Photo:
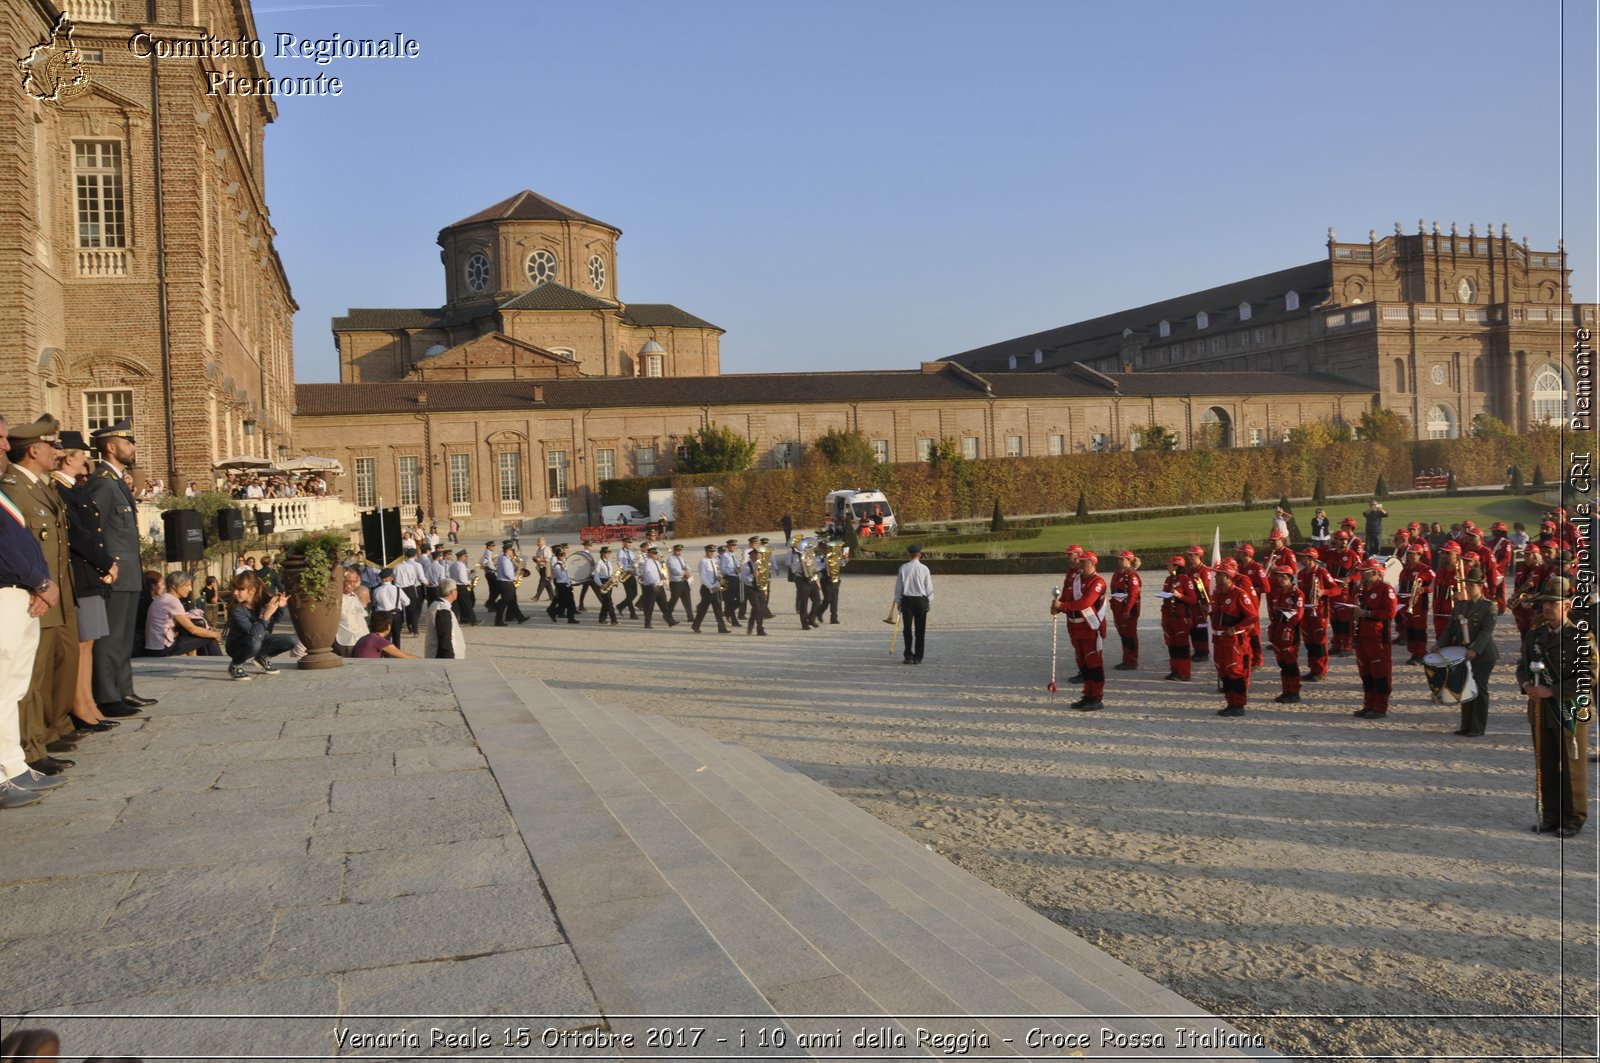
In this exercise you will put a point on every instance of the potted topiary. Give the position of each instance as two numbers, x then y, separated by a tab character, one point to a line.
314	578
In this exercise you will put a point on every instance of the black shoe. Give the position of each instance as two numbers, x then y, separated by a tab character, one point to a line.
1315	678
52	765
499	623
1089	704
1076	678
266	666
1125	667
118	710
103	725
674	623
695	628
724	630
1231	710
1287	699
1567	832
1545	828
1413	659
1199	657
905	660
572	620
835	620
139	703
60	745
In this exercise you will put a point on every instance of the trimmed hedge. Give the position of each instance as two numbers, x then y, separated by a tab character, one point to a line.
965	490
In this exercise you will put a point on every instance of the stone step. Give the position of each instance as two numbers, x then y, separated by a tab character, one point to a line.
1053	970
644	952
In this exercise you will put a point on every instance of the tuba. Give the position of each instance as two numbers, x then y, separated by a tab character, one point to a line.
835	560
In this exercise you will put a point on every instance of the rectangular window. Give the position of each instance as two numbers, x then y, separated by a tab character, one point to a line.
101	408
1097	442
682	454
880	451
460	479
783	454
924	450
652	365
1013	446
1258	437
97	167
509	463
1057	446
366	482
969	447
1134	439
605	463
410	473
556	480
644	461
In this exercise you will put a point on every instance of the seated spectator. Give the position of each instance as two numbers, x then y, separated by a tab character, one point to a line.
249	637
152	588
376	643
172	629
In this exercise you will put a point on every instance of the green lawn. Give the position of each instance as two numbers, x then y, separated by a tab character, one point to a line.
1255	525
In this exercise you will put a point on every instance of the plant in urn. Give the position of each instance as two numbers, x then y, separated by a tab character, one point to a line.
314	578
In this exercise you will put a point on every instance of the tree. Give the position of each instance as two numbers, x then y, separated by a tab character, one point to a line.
1381	425
1249	495
1083	505
1516	479
1381	488
945	452
1157	437
1319	493
1487	427
997	522
713	448
1538	475
845	447
1283	504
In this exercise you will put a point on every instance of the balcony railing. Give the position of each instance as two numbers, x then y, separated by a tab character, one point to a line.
102	262
461	509
510	507
90	10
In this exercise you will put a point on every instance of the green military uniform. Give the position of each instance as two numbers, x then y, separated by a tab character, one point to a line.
44	713
1560	723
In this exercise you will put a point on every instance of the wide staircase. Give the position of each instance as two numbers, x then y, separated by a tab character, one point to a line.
698	879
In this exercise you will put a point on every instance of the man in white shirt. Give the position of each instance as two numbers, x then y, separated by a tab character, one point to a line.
603	569
650	578
506	577
561	602
489	562
408	577
442	637
728	569
710	574
677	581
913	593
466	598
390	599
628	559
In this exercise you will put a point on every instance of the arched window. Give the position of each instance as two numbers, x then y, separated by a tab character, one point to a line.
1165	328
1291	301
1244	311
1216	429
1441	423
1399	374
1011	363
1202	320
1549	395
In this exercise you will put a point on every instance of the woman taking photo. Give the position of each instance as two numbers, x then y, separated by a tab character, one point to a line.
249	627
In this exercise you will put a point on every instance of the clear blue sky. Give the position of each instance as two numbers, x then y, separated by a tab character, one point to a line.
874	183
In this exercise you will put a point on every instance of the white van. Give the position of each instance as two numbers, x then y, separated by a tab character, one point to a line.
620	515
838	505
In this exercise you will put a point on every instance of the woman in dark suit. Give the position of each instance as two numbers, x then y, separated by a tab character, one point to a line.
93	572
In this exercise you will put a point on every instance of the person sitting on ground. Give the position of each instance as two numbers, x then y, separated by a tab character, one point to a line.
172	630
376	642
248	636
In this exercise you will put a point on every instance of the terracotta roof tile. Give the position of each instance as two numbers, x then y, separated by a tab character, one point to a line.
663	315
528	206
553	296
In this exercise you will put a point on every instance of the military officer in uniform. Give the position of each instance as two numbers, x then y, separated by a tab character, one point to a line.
119	520
1555	670
35	452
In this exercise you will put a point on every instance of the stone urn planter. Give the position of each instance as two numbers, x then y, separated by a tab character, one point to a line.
314	581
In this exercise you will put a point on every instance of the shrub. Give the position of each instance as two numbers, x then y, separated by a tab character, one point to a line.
1381	488
1083	505
998	521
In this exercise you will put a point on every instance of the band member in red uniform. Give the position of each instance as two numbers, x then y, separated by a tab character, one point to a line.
1255	573
1504	552
1233	616
1125	590
1285	608
1280	554
1448	587
1320	592
1474	554
1416	580
1419	537
1200	619
1377	604
1530	577
1175	623
1342	562
1082	601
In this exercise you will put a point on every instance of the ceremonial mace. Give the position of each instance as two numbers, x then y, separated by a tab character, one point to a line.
1055	628
893	618
1536	705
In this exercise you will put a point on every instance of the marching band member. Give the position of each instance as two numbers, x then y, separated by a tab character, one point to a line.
1285	607
1475	554
1416	583
1377	604
603	569
1321	592
754	599
628	561
1254	573
561	602
830	573
677	582
1279	553
1234	614
389	600
1530	577
466	596
1343	562
1447	587
408	577
1472	626
710	576
506	575
586	552
1176	605
541	562
1200	617
806	595
1125	589
1504	552
489	563
1083	601
753	544
650	577
728	568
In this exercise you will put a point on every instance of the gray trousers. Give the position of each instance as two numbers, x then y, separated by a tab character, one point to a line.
113	655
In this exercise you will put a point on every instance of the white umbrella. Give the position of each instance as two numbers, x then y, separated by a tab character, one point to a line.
244	461
312	463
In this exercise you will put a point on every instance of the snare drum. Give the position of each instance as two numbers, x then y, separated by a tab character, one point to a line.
1449	676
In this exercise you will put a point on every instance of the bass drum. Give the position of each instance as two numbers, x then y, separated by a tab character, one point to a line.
1449	676
1392	567
580	567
